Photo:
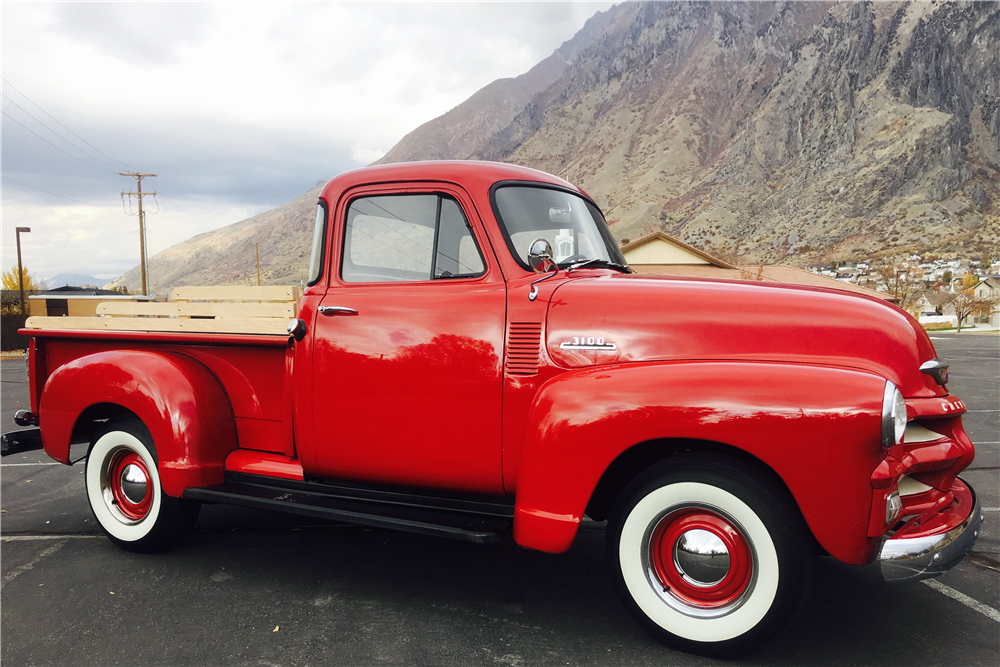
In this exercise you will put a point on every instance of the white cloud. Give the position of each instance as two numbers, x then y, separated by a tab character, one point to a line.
237	107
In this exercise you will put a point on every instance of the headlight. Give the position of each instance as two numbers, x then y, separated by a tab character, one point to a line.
893	416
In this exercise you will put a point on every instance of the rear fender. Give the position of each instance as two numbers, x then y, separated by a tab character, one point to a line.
179	400
818	428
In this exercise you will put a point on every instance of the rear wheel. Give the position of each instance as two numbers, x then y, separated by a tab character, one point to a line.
707	558
123	487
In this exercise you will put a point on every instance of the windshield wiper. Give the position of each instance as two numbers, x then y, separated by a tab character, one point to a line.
599	262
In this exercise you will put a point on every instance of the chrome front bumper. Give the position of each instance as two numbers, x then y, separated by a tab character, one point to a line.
911	559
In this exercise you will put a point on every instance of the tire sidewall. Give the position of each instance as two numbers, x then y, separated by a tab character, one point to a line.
118	437
781	563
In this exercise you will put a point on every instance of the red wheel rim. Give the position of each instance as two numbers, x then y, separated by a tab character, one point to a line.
120	463
662	557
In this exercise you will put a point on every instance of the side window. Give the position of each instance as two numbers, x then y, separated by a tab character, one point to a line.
408	238
457	254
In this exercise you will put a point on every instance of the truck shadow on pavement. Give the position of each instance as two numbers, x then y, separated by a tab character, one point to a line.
359	586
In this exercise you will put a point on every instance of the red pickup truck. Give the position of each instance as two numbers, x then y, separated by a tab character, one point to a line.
471	357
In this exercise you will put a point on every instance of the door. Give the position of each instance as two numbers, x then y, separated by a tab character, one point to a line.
407	379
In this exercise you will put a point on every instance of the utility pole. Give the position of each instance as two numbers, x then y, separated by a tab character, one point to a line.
20	269
142	221
257	246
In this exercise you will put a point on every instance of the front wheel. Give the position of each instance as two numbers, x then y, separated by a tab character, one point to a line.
707	558
123	487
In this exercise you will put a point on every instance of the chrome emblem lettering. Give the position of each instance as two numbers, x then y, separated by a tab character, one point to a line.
588	343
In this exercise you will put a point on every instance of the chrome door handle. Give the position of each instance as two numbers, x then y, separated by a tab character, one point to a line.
330	311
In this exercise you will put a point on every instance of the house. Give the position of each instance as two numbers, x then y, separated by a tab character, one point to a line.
661	254
989	289
76	301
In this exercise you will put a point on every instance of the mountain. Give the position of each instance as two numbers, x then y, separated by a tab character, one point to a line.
228	255
461	133
785	131
73	279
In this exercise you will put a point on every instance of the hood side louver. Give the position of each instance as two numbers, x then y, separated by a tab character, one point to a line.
523	340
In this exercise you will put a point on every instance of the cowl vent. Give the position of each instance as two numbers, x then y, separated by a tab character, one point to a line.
523	340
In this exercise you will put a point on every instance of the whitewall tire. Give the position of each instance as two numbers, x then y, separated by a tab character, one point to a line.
706	557
123	488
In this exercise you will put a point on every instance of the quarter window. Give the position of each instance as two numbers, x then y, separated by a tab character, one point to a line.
319	235
408	238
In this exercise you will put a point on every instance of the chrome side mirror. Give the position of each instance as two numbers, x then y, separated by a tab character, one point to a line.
540	257
540	260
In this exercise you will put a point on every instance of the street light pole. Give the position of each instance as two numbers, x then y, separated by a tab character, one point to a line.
20	269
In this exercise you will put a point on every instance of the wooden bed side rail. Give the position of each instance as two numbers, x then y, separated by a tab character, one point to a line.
285	311
246	325
285	293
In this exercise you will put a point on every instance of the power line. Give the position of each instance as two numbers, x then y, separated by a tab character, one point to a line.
93	157
54	146
63	126
54	194
174	204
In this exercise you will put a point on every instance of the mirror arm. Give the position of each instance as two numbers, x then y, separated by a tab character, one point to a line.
533	294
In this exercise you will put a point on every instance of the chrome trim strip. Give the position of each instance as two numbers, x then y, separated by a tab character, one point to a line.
607	347
915	558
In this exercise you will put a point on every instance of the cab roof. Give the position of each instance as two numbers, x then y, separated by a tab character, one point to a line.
472	174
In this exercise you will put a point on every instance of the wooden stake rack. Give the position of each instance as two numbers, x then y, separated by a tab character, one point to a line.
224	309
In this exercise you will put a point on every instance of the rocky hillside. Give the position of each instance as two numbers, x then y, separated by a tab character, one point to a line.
786	131
229	255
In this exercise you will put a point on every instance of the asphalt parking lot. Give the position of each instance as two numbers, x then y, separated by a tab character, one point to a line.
256	588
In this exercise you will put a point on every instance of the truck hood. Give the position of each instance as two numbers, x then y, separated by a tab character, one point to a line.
628	319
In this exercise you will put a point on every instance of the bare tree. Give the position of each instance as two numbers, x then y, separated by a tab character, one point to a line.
967	303
900	278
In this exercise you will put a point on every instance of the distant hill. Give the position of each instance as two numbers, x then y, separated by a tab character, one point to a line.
792	132
228	255
74	280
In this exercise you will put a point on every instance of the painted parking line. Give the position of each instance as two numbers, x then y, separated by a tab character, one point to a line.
40	463
18	571
991	509
971	603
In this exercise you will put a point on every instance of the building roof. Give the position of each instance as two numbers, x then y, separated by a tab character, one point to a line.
667	238
938	298
777	273
73	292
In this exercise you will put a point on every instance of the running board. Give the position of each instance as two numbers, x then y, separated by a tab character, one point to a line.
470	521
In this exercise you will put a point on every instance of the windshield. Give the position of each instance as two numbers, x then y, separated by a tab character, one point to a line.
572	225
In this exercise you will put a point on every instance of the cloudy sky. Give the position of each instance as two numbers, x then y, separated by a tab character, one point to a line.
237	107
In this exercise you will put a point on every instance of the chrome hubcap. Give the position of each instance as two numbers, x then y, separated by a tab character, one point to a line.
701	557
134	483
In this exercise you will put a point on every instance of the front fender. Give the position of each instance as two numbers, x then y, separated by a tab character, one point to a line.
818	428
178	399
